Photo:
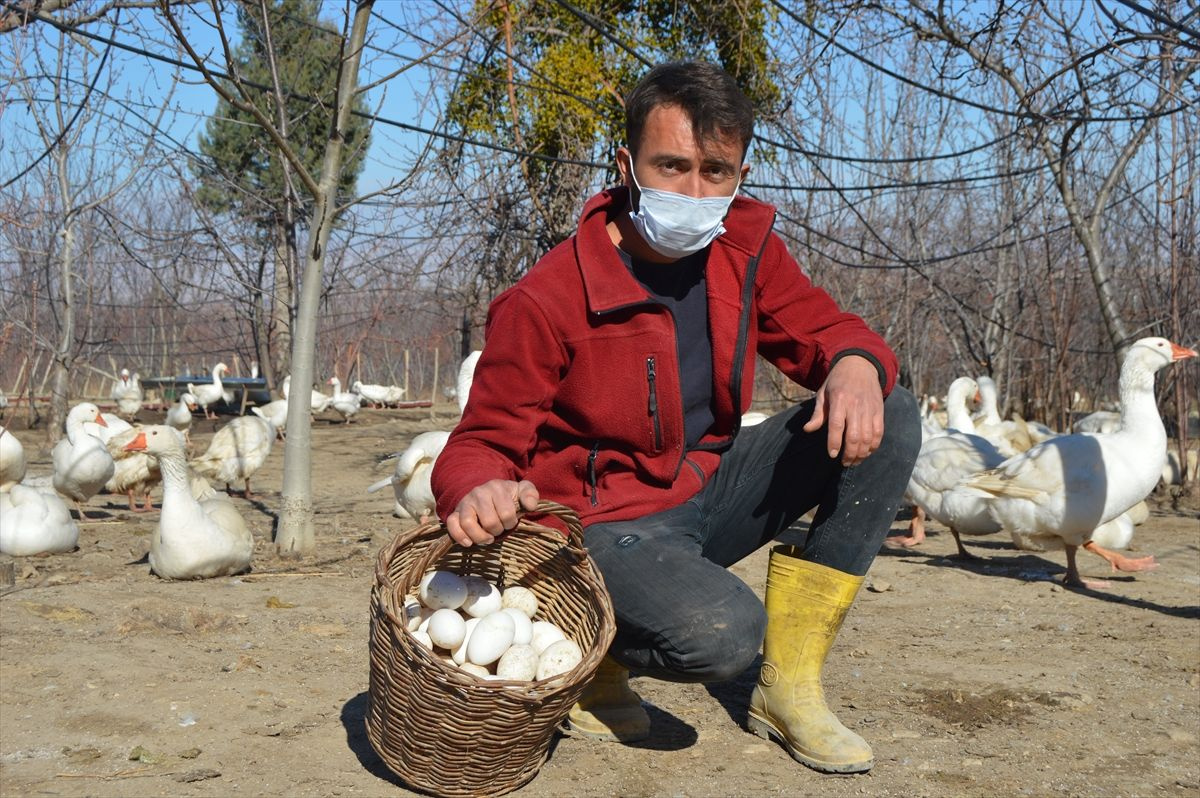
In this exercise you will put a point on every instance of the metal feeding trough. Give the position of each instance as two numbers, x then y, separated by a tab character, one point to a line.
246	391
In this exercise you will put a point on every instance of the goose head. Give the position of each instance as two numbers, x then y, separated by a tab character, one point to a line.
83	413
1147	356
156	439
188	399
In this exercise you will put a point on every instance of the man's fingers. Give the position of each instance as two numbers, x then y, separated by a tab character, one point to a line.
818	416
527	495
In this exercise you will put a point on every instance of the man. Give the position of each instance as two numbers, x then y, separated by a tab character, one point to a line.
613	379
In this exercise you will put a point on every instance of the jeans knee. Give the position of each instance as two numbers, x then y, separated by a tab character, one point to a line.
720	645
901	426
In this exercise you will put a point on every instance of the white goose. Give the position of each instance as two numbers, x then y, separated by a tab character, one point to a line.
210	393
31	521
195	538
414	495
943	462
1057	493
81	463
395	394
179	415
347	404
136	473
317	401
237	451
376	395
275	413
466	375
127	393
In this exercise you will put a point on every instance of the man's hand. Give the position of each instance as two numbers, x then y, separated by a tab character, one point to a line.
488	510
853	403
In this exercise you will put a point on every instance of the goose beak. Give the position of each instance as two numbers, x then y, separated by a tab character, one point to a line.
100	419
1181	352
138	444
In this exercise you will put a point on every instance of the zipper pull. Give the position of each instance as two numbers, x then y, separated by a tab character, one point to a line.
652	376
591	466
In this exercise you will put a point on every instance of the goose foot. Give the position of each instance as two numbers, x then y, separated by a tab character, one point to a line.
1072	577
916	532
1119	562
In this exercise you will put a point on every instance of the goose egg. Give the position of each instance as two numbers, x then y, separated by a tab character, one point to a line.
519	663
446	628
544	633
474	670
559	657
521	598
414	614
442	589
423	639
483	598
523	627
491	638
460	652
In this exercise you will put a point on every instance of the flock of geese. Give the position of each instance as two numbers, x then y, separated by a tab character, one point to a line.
200	532
1048	491
976	476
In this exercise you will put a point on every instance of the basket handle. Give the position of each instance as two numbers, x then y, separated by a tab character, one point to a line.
563	513
443	543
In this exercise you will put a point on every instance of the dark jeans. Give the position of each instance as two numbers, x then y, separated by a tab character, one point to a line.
681	616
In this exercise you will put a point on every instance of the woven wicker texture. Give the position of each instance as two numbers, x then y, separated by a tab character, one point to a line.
444	731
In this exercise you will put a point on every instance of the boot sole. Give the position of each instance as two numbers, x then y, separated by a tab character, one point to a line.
767	731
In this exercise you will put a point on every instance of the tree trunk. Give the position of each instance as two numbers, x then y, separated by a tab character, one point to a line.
61	383
283	297
296	534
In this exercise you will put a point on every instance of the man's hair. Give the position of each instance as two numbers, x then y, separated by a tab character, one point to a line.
706	93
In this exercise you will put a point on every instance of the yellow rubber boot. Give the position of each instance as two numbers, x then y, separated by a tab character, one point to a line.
608	709
806	604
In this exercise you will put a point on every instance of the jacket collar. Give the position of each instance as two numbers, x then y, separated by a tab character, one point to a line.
609	285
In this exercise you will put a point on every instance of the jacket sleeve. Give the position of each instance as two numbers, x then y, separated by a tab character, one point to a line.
802	331
514	383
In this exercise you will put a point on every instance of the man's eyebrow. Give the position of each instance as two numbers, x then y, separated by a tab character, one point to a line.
722	163
666	157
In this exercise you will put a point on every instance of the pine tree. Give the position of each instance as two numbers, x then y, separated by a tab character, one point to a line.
243	171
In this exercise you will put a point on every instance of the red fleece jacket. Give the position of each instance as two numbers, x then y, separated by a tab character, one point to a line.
578	389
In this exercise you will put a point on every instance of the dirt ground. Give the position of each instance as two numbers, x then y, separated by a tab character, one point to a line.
979	680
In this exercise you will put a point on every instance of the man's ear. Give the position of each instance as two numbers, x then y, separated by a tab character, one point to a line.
745	171
624	162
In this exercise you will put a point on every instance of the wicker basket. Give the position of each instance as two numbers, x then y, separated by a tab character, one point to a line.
444	731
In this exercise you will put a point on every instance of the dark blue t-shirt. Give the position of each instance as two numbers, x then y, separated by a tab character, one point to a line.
682	288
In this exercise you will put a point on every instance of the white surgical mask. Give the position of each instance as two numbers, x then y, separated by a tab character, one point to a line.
676	225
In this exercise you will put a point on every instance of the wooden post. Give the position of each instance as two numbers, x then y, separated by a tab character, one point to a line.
16	389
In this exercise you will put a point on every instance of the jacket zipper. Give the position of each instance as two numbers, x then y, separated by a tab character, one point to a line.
591	470
652	378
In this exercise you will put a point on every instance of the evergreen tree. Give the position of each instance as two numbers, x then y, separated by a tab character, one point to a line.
243	171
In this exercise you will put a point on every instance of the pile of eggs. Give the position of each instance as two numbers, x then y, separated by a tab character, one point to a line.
473	625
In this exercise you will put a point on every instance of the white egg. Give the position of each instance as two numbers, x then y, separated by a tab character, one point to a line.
521	598
414	614
523	631
442	589
423	639
518	663
483	598
460	652
474	670
544	633
447	628
559	657
491	638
